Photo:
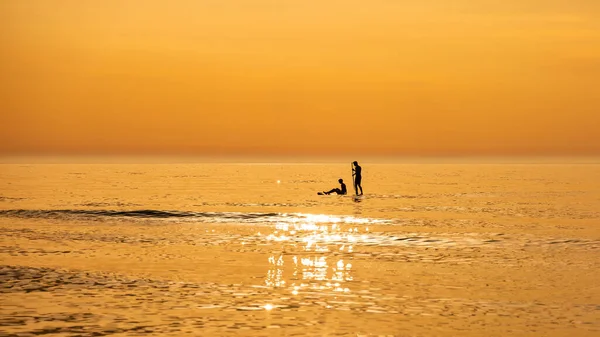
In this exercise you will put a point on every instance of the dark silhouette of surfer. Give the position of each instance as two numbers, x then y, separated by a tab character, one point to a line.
357	173
342	190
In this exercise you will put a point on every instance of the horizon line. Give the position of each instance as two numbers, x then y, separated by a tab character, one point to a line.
290	159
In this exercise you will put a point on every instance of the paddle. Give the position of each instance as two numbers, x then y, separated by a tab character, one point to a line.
353	181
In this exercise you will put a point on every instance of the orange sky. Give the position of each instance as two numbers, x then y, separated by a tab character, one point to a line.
310	77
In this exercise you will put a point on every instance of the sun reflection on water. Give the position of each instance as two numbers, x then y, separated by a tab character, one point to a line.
314	268
319	235
309	274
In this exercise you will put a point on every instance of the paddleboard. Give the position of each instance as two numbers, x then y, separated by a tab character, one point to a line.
355	197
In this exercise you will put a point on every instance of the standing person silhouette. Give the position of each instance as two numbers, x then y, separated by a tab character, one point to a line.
357	173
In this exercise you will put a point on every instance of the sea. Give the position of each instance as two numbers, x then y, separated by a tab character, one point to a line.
204	248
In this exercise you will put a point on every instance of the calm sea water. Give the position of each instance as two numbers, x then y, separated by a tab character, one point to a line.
426	242
392	191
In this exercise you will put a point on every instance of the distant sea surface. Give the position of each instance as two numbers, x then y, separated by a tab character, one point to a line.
236	248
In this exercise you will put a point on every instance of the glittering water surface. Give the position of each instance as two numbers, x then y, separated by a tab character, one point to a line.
218	249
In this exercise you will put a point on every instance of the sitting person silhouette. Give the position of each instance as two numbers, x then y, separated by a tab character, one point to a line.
342	190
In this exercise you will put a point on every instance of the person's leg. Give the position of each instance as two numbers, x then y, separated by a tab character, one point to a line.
358	186
331	191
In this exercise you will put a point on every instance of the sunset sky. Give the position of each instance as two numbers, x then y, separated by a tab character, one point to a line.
381	77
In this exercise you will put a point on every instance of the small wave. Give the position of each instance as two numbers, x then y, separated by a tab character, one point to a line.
147	213
9	199
218	217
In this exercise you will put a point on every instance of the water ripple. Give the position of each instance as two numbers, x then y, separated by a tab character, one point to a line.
213	217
